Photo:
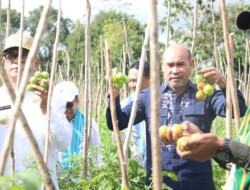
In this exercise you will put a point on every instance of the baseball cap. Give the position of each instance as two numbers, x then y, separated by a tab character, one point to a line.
14	41
243	20
67	90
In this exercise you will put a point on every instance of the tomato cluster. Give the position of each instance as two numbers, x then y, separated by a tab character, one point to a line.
204	88
37	80
119	80
178	131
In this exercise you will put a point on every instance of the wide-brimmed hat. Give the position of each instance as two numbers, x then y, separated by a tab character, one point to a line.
14	41
243	20
67	90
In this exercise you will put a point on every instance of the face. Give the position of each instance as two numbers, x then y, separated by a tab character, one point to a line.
71	109
133	75
177	67
10	61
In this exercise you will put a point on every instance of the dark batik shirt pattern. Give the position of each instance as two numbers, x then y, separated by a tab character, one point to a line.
175	104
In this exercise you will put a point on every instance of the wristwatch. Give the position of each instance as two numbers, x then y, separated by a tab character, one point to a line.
224	153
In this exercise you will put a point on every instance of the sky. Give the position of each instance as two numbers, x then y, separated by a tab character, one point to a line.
75	9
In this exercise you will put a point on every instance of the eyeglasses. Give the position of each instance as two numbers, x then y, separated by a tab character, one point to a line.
12	57
70	104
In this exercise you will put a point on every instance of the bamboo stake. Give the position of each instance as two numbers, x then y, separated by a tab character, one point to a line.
125	93
228	97
215	51
101	86
98	89
127	40
51	85
229	100
137	93
230	66
0	16
155	94
51	82
20	51
168	22
123	164
86	88
90	107
8	19
194	26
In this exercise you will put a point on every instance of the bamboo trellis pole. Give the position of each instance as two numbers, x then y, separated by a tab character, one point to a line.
127	41
8	19
18	81
168	22
122	161
20	51
51	85
137	92
101	85
215	51
86	88
229	97
51	82
194	26
125	93
90	107
230	65
155	94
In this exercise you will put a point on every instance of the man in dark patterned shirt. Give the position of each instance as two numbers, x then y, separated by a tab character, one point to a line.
178	103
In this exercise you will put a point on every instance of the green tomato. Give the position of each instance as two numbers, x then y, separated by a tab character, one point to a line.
114	79
208	89
45	75
43	84
38	74
118	85
29	87
199	78
33	80
119	76
126	81
180	141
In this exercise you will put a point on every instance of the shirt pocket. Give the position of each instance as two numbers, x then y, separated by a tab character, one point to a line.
163	116
195	114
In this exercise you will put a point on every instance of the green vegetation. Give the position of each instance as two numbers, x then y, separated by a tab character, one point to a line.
109	25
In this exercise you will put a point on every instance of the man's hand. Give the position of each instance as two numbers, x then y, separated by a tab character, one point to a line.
188	129
43	94
213	75
206	146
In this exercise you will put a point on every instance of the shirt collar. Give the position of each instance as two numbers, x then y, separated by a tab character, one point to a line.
166	86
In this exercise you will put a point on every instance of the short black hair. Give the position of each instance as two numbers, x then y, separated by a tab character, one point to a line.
146	70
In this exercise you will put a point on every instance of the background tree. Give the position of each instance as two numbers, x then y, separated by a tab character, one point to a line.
109	25
181	28
49	34
14	21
